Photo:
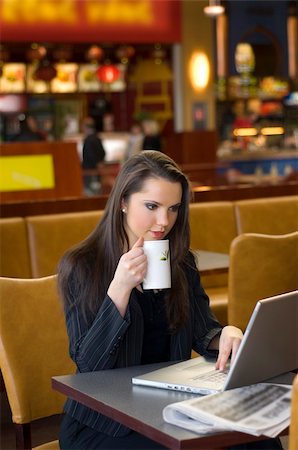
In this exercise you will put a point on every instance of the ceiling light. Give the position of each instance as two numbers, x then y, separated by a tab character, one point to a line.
214	9
272	131
243	132
199	70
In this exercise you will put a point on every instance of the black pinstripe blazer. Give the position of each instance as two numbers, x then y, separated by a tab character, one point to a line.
110	341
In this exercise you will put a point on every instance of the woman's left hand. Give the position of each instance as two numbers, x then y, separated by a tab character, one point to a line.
229	343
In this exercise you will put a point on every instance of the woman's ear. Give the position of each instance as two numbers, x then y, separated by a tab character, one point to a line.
123	206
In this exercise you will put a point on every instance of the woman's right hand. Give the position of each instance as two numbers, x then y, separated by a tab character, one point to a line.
129	273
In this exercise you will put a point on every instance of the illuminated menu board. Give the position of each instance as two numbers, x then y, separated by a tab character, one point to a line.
26	172
70	78
13	78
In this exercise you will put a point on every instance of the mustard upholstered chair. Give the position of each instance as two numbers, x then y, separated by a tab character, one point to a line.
14	250
293	437
213	227
33	348
275	215
261	266
50	235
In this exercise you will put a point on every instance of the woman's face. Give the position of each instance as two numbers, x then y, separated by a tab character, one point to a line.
153	211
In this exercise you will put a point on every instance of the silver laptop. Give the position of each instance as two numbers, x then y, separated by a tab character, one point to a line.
269	348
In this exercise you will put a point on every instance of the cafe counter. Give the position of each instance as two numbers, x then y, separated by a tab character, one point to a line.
280	162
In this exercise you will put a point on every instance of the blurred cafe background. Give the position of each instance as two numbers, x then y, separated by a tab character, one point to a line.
211	83
218	80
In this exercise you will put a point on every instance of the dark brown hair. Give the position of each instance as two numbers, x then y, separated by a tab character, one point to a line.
86	271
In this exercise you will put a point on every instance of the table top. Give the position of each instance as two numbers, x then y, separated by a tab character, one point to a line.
212	262
112	393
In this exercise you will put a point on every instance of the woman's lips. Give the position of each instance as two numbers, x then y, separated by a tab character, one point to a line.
157	234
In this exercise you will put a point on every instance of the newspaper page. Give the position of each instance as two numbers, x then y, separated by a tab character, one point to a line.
258	409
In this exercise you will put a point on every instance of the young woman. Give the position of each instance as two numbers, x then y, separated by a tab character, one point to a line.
111	321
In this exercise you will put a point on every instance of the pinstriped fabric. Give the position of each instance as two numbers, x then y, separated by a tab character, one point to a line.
111	341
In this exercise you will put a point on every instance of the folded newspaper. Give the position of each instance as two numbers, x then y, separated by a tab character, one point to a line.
258	409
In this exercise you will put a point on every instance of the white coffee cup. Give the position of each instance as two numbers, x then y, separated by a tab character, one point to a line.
158	274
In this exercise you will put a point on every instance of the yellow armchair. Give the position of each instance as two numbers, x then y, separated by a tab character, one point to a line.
14	249
33	348
275	215
50	235
213	227
260	266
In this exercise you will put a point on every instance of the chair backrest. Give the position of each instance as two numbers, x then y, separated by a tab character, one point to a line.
260	266
276	215
293	436
50	235
33	346
212	227
14	250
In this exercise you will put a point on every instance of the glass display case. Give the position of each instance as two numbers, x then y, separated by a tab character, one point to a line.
13	78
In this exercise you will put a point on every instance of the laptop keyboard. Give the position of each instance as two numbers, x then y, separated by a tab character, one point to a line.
216	376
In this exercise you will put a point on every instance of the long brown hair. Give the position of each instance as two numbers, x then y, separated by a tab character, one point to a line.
86	271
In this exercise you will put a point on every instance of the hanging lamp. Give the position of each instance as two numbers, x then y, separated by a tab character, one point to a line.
214	9
108	73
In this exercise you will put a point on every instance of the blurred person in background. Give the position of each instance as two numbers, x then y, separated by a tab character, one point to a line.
152	140
135	140
242	118
28	130
93	154
48	127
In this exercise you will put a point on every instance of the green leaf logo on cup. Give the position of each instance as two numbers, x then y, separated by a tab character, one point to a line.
165	255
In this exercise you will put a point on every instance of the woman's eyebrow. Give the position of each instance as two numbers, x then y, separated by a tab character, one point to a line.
152	201
160	204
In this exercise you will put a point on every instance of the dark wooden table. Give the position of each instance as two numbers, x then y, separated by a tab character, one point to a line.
212	262
112	393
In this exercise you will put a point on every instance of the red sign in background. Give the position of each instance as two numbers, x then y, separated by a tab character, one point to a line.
136	21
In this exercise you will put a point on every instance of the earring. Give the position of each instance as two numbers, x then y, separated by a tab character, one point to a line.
123	210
